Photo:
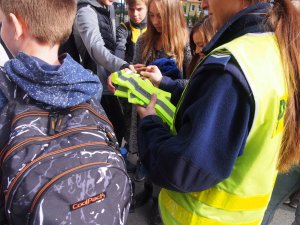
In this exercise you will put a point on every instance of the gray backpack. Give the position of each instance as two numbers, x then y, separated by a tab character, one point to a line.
59	166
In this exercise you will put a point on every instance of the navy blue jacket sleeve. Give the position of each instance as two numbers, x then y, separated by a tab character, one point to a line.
212	127
175	87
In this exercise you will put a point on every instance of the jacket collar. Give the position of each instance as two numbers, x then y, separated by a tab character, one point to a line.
141	25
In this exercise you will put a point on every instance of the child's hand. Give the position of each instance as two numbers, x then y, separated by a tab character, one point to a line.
132	68
149	110
153	74
110	85
139	67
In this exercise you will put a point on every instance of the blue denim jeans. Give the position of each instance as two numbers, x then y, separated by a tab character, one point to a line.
297	216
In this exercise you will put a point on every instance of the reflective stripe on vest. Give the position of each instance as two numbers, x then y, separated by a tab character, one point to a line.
242	198
139	91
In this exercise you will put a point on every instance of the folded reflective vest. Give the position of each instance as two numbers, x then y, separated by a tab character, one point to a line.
138	91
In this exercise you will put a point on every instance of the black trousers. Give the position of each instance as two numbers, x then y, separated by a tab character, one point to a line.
113	109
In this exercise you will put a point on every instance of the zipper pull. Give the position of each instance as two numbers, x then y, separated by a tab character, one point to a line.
58	123
51	124
111	137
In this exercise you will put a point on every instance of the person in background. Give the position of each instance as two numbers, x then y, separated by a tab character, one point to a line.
127	36
129	32
166	38
237	122
95	38
200	34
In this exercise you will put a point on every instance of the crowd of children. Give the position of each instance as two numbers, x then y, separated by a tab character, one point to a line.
231	123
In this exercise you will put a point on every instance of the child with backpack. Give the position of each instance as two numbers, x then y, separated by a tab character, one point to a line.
129	32
58	152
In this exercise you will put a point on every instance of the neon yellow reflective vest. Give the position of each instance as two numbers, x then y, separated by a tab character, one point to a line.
139	91
242	198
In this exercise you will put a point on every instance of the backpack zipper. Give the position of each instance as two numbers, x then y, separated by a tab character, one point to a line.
53	180
26	114
38	113
7	152
96	113
34	162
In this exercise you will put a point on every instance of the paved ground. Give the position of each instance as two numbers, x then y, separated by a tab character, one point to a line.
283	216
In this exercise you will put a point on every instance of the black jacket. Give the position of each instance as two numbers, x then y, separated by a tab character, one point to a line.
125	46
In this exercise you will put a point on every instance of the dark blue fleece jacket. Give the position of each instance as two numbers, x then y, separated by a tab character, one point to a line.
212	122
58	86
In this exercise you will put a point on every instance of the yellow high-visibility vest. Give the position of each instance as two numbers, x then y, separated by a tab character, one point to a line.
139	91
242	198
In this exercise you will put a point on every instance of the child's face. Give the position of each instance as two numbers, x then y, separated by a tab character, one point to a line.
199	42
106	2
137	12
155	17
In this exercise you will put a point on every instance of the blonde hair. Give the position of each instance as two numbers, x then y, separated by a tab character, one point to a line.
174	31
49	21
285	20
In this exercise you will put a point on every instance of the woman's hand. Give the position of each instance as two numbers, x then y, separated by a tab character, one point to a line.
153	74
149	110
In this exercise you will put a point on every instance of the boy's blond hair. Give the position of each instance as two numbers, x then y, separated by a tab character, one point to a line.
135	2
49	21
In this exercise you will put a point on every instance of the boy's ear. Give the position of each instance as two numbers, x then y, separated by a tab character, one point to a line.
17	25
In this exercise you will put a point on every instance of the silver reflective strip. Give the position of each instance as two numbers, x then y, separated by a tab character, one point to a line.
139	89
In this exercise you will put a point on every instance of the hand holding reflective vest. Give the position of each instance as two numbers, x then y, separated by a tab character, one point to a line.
139	91
110	85
149	110
153	74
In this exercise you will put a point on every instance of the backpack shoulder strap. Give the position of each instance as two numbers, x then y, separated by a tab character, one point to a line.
7	87
128	28
124	25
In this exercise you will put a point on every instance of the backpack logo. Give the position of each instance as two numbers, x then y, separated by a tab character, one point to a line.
88	201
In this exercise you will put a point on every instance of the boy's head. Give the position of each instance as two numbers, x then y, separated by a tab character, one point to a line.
47	21
106	2
137	10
